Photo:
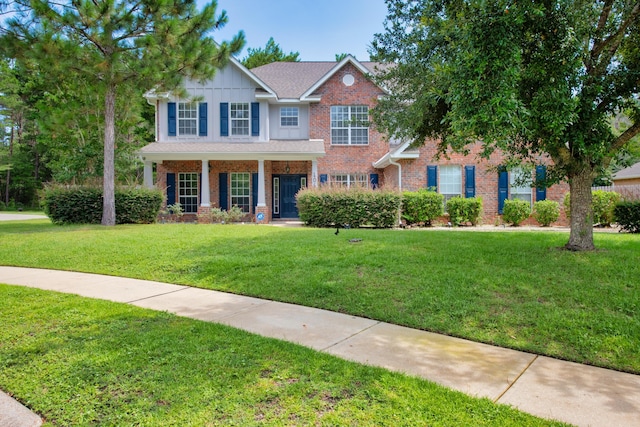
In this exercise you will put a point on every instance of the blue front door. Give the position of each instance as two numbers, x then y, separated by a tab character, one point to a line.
289	186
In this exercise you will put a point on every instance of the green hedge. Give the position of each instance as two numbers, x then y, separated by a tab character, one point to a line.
602	202
627	215
83	205
546	212
464	210
422	206
515	211
331	207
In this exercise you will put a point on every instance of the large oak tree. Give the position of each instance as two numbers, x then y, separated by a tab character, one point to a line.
118	44
532	79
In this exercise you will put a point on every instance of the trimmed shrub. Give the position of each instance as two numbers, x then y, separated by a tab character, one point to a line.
602	202
217	215
83	205
546	212
355	207
464	210
515	211
627	215
422	206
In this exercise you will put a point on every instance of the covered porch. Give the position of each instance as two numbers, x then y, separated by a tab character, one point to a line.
257	177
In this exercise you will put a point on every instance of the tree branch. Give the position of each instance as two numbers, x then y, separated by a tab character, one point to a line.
626	136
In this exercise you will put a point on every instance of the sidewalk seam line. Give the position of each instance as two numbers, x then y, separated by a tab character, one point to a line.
158	295
526	368
350	336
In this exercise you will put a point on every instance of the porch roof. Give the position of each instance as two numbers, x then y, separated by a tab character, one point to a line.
306	149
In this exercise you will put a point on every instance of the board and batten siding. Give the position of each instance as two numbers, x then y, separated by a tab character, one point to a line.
228	86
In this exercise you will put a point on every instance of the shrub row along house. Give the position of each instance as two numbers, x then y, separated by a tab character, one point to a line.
254	138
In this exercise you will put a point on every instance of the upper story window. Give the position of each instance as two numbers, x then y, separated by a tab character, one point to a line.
349	125
450	181
187	118
239	118
289	116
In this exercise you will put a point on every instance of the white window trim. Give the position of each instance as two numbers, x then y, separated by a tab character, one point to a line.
350	126
180	188
351	180
297	117
233	120
232	188
448	194
515	191
182	119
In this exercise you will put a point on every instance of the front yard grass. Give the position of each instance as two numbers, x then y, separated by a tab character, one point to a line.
512	289
83	362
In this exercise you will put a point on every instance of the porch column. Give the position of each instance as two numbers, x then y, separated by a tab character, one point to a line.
261	191
148	174
204	185
314	173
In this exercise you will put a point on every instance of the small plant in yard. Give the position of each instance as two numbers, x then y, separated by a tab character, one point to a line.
464	210
546	212
221	216
173	213
422	206
516	211
627	215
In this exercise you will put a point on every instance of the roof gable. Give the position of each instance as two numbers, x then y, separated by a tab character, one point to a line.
299	80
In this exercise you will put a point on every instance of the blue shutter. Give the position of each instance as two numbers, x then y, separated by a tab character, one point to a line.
255	119
171	188
224	119
202	119
469	181
541	175
432	178
254	191
171	113
373	180
503	189
223	184
323	178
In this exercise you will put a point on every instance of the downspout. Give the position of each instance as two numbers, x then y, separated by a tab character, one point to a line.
399	186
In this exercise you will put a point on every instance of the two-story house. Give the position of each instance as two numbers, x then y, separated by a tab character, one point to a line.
254	138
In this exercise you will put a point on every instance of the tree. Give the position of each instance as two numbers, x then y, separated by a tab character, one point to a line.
532	79
116	44
341	56
271	53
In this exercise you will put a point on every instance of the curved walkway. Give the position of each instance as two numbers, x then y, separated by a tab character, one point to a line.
549	388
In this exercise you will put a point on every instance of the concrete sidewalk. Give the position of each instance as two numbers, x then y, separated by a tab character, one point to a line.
577	394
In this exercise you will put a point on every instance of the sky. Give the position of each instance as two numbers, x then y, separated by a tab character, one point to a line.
317	29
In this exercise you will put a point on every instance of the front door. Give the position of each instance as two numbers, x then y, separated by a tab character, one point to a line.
285	195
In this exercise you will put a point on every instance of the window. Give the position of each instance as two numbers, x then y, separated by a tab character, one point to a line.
349	180
450	181
187	118
239	119
520	185
289	116
241	190
276	196
349	125
188	192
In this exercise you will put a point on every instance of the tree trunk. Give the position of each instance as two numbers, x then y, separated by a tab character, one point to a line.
108	183
581	237
6	195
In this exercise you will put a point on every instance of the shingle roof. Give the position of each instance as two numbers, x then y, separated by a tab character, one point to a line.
292	79
271	147
628	173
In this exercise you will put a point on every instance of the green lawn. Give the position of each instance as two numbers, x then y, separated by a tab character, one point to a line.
83	362
513	289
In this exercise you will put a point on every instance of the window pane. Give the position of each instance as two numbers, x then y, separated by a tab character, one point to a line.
450	181
350	124
520	184
241	190
187	118
289	116
239	119
188	192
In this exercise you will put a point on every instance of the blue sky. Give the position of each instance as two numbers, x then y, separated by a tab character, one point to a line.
317	29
